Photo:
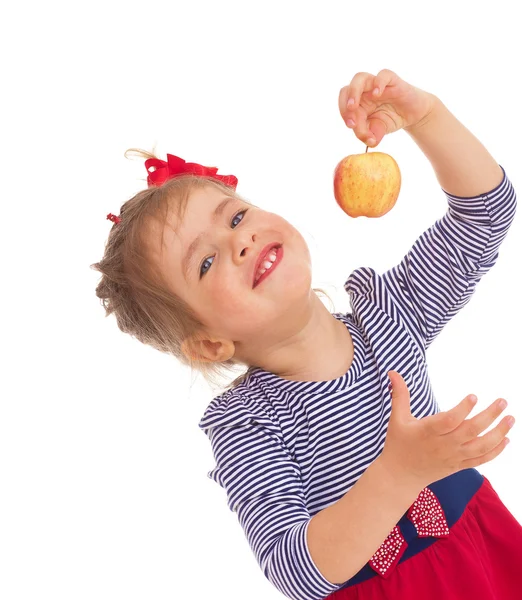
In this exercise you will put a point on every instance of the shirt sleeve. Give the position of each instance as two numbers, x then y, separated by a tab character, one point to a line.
264	488
438	276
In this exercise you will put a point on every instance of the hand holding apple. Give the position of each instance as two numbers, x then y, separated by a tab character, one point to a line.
367	184
376	105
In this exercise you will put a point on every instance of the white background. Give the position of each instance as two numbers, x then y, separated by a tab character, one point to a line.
103	470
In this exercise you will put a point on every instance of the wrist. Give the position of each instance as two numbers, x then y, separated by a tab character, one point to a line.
398	476
433	106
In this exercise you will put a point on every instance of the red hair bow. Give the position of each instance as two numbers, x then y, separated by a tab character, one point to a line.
164	170
113	218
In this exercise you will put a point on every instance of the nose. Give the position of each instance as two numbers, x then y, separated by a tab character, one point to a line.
243	245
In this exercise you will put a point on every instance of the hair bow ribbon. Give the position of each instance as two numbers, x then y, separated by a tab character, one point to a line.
174	165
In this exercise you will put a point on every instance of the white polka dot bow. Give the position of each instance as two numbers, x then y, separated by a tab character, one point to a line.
427	516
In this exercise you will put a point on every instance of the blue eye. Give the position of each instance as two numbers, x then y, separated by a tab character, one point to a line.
201	271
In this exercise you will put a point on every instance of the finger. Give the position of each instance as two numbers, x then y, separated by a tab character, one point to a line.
400	397
355	120
350	95
377	130
361	128
447	421
383	79
362	82
484	444
475	462
471	428
369	131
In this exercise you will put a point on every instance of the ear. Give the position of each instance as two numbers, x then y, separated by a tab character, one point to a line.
218	350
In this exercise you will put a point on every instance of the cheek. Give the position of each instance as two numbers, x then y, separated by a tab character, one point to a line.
231	301
227	298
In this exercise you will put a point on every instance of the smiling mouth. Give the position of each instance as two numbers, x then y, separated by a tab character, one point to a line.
278	250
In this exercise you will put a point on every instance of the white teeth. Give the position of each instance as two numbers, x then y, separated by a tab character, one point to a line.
267	263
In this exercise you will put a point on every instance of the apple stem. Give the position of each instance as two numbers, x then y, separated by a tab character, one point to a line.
366	148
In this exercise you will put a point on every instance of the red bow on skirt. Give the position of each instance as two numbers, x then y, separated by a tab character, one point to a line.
428	517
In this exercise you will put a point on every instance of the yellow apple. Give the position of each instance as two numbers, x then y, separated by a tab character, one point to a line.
367	185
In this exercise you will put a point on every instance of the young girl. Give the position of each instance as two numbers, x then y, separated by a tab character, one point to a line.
345	489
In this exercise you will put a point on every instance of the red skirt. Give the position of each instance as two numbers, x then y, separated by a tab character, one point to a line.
481	559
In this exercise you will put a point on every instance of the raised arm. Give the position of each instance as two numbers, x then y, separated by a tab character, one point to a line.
438	275
461	163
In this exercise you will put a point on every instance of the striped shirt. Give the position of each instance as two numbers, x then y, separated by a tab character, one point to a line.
284	450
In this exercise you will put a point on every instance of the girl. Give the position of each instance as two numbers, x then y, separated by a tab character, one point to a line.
345	489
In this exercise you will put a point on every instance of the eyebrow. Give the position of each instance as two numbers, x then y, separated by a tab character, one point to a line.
186	262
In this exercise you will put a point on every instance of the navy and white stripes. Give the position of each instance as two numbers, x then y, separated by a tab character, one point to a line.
284	450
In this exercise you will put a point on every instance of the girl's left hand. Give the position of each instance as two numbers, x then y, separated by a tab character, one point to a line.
375	105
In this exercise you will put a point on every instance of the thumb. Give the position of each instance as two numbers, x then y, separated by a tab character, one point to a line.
400	396
376	131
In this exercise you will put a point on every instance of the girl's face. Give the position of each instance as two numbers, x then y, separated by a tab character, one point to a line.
209	258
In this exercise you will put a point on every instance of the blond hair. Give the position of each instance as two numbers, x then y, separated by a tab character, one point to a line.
132	288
